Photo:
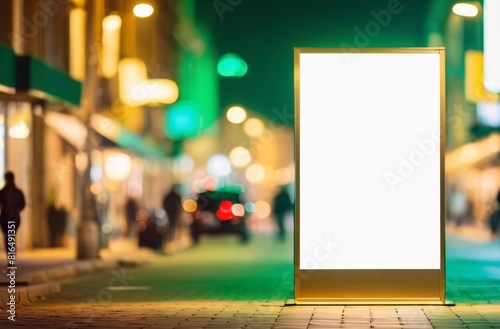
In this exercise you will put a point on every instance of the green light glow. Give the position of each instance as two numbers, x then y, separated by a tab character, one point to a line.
182	121
232	65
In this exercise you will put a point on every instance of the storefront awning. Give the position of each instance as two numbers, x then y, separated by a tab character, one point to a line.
7	69
115	132
74	132
41	80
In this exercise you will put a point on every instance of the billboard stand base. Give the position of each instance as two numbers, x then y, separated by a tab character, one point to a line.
292	302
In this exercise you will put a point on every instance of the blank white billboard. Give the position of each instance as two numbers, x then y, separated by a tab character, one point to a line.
369	164
491	42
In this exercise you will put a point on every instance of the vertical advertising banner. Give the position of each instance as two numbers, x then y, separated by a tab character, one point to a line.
370	183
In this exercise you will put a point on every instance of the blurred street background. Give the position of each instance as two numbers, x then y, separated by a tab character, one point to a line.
107	107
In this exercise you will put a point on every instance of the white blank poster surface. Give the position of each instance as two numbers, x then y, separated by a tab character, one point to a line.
369	134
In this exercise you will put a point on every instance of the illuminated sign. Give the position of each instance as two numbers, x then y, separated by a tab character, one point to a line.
491	42
370	184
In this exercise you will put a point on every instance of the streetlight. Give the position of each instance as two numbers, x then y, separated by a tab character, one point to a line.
465	9
143	10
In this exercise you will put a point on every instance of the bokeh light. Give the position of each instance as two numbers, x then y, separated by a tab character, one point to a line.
96	188
81	161
96	172
240	157
262	209
224	211
255	173
182	121
218	165
249	206
111	22
102	198
210	183
107	228
143	10
189	205
238	210
183	164
254	127
198	185
465	9
236	114
283	176
117	166
232	65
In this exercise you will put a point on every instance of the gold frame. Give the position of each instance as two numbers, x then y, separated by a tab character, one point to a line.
369	286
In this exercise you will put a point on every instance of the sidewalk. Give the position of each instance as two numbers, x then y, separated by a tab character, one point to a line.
252	294
39	272
473	267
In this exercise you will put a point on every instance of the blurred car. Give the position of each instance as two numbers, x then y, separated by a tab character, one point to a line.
221	211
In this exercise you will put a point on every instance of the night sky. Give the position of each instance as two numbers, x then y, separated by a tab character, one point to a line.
264	33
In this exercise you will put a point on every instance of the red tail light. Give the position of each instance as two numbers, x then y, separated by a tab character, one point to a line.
224	212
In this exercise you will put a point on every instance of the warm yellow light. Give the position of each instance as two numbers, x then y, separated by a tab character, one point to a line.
283	176
236	114
77	18
19	120
474	86
67	126
143	10
117	166
131	73
135	89
189	205
81	161
105	126
96	188
240	157
111	22
157	91
255	173
110	45
254	127
262	209
19	130
465	9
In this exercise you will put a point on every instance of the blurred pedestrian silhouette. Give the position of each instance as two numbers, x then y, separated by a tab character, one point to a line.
131	208
172	204
56	218
458	206
12	202
282	204
494	219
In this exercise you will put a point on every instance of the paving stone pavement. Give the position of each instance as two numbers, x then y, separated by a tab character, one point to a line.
186	303
253	315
